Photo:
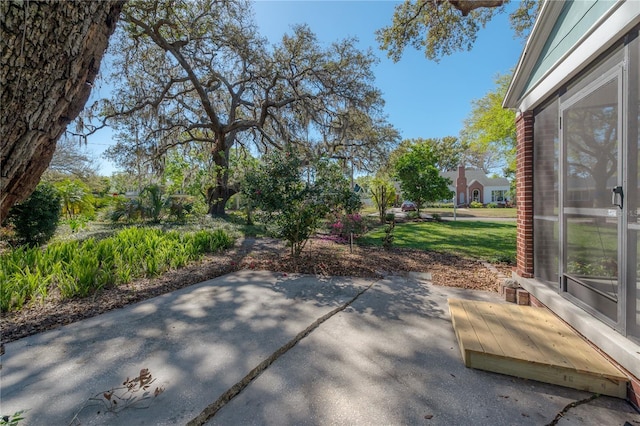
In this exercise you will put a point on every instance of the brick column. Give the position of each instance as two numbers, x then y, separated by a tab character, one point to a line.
524	194
461	186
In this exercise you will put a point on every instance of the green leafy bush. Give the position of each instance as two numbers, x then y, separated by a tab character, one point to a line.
475	205
412	215
78	223
492	206
439	205
293	202
179	207
77	199
153	201
35	219
345	225
126	209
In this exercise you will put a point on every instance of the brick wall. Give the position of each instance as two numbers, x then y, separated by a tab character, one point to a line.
524	194
480	188
461	187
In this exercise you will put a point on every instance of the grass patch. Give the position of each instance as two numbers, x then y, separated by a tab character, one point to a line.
490	241
479	212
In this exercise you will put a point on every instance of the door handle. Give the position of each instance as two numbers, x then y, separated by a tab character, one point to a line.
617	191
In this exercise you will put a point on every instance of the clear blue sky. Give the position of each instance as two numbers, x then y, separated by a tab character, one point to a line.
423	98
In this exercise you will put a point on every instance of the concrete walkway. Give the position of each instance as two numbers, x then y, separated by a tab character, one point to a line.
388	358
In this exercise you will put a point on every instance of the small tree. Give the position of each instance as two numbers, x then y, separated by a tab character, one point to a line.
383	193
35	219
489	132
295	195
335	188
76	198
420	180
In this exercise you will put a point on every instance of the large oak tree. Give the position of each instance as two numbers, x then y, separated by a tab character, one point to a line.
198	72
51	54
442	27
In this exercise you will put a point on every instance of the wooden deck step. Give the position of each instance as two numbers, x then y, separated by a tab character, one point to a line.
531	343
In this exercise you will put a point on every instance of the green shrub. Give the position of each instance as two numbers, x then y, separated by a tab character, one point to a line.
345	225
492	206
412	215
24	276
475	205
76	199
387	239
179	207
77	223
153	200
127	209
35	219
293	205
102	201
440	205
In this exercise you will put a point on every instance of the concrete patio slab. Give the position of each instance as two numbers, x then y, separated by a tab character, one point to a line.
389	358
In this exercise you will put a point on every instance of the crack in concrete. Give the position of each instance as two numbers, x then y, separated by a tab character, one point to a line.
566	409
235	390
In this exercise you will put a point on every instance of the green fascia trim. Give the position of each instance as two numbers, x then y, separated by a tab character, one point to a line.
576	18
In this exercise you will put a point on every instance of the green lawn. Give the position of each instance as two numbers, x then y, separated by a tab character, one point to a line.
491	241
448	212
478	212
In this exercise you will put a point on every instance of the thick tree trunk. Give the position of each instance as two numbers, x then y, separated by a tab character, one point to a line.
219	195
51	53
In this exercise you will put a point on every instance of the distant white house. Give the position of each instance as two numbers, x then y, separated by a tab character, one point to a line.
471	184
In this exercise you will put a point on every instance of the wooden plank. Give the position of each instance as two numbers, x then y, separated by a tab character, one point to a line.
512	343
485	340
533	344
547	373
537	335
491	339
558	341
569	344
575	361
541	336
562	343
488	340
583	356
467	338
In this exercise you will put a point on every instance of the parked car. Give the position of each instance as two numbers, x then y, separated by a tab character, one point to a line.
408	206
